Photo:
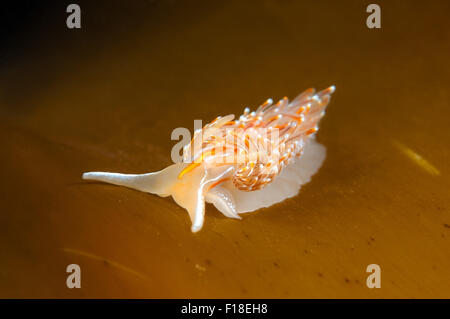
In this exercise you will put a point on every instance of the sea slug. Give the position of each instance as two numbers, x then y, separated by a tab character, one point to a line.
241	165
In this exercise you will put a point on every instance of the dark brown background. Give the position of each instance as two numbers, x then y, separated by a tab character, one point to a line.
108	96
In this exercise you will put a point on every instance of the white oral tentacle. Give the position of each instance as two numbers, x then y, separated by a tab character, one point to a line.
222	199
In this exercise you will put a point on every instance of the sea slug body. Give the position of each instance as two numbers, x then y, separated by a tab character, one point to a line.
241	165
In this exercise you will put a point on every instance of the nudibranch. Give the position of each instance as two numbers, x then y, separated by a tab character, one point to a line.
241	165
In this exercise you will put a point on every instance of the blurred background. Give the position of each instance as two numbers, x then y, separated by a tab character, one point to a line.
107	97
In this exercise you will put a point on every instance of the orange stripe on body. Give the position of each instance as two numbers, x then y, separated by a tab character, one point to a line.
187	169
218	182
194	164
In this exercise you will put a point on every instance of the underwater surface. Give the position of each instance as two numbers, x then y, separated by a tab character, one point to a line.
107	97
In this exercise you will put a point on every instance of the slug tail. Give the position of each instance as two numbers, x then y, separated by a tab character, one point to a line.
159	183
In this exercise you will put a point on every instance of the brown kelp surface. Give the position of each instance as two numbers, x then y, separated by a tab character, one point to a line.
108	96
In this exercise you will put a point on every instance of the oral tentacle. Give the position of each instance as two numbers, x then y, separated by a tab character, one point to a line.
222	199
